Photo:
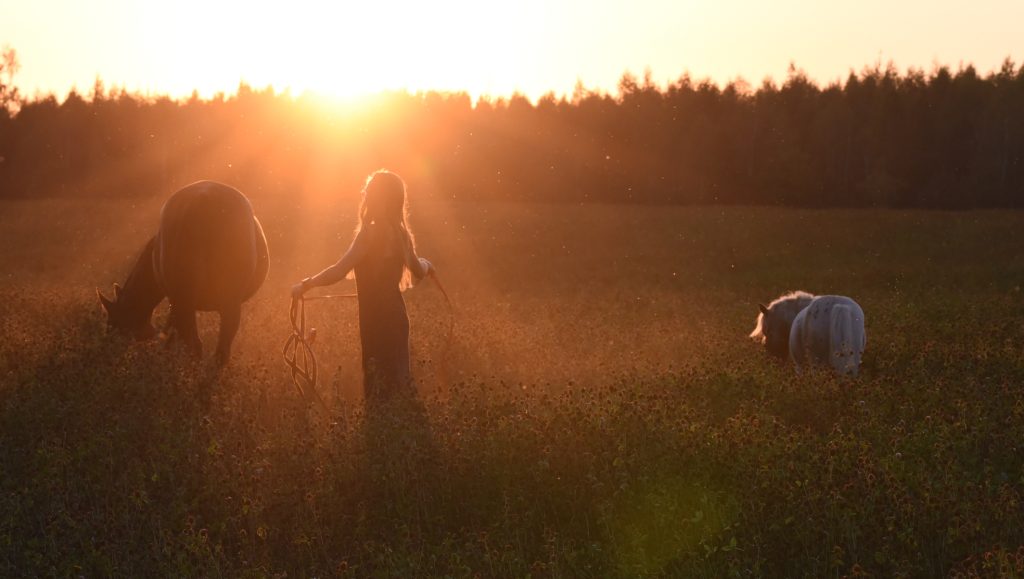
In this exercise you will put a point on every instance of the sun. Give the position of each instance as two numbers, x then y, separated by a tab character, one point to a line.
339	49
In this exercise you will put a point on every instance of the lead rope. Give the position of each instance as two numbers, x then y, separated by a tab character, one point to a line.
442	370
298	352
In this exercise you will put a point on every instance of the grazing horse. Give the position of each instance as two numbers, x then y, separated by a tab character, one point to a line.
813	329
209	254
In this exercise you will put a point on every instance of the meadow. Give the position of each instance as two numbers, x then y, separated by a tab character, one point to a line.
605	413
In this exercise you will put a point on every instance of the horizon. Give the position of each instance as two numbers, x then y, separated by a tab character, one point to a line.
360	99
457	47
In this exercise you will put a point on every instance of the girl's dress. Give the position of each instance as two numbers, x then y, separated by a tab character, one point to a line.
383	321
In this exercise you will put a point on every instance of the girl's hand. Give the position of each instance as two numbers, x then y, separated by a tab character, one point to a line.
428	268
298	290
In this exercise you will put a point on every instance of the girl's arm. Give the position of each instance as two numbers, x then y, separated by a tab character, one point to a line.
339	270
420	267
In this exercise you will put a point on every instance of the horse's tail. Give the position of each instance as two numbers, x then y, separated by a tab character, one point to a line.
846	337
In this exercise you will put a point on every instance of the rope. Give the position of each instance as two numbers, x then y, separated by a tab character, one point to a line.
328	297
442	371
298	352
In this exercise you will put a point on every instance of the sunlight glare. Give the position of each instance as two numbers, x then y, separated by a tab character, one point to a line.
341	49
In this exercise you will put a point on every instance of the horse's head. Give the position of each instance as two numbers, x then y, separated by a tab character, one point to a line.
773	331
125	319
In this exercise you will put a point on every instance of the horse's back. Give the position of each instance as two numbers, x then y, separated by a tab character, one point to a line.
832	332
211	251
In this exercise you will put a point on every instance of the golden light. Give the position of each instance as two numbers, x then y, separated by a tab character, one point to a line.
341	49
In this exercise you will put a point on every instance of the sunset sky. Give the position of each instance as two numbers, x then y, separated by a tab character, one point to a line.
533	46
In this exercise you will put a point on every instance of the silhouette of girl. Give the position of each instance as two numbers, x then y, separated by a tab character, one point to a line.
383	257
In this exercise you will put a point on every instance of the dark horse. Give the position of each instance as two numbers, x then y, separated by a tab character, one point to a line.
209	254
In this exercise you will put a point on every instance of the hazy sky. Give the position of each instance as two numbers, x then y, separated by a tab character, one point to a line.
529	45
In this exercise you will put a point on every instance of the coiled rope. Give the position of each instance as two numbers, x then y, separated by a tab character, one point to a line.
301	360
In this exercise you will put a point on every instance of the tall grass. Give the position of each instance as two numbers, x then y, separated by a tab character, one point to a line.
606	417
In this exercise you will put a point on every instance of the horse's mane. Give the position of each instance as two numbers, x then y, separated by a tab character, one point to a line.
783	303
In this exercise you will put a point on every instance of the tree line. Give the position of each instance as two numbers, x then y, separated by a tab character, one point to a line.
940	139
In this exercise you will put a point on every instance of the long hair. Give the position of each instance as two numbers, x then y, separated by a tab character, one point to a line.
386	204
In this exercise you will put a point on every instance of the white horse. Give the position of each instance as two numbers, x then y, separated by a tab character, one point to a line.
813	329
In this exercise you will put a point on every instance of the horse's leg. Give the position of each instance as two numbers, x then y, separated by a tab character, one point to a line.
171	329
182	321
191	333
230	318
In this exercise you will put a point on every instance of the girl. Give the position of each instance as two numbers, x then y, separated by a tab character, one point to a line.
383	255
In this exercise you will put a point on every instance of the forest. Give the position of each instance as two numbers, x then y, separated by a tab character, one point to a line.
948	138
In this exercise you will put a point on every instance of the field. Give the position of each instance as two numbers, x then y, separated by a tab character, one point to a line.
606	415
